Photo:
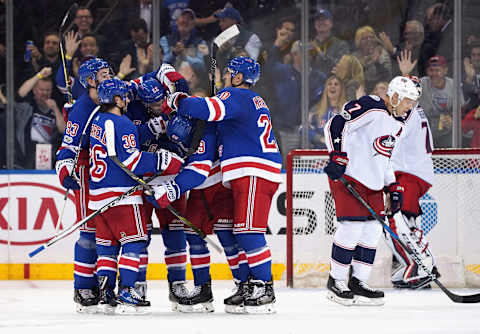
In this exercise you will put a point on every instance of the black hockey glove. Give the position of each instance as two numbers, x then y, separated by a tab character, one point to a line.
337	165
395	191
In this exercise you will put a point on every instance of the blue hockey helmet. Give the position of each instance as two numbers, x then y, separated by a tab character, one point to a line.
180	130
247	66
89	69
151	91
110	88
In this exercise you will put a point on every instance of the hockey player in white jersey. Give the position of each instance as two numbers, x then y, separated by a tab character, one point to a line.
360	140
413	167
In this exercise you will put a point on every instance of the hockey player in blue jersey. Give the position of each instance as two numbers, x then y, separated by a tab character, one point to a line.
209	208
144	112
91	73
250	164
124	225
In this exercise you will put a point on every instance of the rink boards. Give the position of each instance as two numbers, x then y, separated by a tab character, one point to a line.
31	203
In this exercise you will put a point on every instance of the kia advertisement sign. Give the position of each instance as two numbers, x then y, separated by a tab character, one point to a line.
30	205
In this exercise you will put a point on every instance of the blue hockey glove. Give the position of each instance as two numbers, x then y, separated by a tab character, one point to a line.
337	165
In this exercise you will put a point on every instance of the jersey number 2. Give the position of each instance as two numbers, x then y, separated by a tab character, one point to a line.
267	145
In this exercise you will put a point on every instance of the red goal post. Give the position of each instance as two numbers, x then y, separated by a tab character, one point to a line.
451	202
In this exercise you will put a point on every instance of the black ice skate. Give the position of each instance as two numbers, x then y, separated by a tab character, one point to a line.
141	288
107	301
338	292
235	303
86	300
199	300
178	295
261	298
364	294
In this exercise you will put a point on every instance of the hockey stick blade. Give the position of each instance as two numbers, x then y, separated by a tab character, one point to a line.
226	35
462	299
36	251
453	297
72	8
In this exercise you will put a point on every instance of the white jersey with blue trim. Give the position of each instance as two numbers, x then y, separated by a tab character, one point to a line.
248	146
413	155
367	132
107	180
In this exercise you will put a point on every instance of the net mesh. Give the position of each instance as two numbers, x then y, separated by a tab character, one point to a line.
450	202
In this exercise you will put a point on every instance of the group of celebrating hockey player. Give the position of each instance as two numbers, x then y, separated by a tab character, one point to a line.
215	161
149	131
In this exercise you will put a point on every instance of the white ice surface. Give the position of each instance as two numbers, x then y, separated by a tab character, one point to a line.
47	307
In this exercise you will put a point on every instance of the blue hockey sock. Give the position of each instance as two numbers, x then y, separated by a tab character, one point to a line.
175	254
258	254
199	259
236	258
142	269
85	258
107	263
129	262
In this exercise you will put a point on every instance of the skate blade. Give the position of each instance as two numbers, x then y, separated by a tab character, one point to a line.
235	309
365	301
262	309
106	309
92	309
124	309
342	301
198	308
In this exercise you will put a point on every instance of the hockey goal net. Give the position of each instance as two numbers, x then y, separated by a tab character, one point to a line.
451	220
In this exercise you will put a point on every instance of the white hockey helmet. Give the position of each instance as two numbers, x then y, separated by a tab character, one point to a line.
404	87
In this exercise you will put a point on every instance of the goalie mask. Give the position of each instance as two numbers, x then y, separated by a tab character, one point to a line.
180	130
247	66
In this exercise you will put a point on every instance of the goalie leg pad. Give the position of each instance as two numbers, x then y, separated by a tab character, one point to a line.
414	239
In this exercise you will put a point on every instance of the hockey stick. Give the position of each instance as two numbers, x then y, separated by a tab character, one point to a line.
220	40
68	87
75	161
77	225
112	154
416	257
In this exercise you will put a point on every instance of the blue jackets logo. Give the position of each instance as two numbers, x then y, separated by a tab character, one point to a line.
384	145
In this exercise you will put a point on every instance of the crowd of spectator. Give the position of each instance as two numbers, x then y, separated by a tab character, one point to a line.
355	48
